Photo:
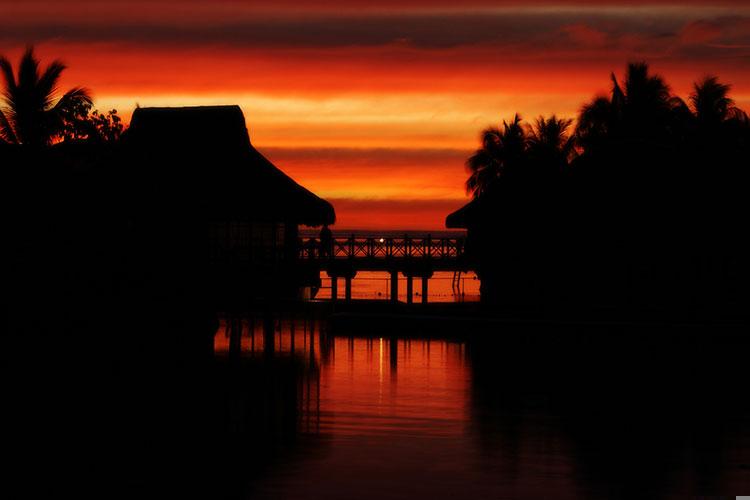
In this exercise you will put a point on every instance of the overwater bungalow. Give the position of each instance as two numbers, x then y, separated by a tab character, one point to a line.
460	219
204	169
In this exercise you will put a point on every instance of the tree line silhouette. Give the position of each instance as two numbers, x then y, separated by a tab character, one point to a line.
640	208
32	115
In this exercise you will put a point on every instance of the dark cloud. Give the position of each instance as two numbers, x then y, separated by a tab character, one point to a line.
338	5
506	30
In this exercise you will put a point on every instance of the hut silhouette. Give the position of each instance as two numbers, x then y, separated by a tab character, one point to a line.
234	207
460	219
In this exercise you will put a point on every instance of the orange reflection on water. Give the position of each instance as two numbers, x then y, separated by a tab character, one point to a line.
363	386
442	287
389	386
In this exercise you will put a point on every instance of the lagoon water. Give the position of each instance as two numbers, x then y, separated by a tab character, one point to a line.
388	417
375	285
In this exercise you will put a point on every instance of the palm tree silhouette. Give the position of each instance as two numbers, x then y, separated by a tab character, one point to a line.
642	110
501	152
711	102
550	146
30	115
714	110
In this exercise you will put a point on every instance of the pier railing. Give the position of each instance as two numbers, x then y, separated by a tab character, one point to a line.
372	248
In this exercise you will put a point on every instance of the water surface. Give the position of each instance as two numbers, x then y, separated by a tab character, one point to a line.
389	417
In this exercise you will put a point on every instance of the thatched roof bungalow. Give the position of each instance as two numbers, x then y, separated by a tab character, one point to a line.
203	168
211	146
460	219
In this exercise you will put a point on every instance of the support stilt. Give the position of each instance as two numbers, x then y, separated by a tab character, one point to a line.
334	288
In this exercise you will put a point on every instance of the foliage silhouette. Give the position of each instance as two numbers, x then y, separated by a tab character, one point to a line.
637	212
32	115
500	153
80	123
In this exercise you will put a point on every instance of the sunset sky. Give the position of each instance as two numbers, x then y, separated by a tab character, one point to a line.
376	105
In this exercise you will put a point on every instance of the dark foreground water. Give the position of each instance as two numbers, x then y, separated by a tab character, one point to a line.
299	411
343	417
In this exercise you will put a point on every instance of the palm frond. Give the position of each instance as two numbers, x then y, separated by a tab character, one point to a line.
7	134
6	68
47	84
710	99
74	96
618	96
28	70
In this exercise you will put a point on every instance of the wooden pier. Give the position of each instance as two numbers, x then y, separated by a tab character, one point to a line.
410	257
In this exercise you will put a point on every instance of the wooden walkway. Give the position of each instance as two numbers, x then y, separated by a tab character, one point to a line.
411	257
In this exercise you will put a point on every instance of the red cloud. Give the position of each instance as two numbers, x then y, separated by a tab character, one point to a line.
582	34
699	32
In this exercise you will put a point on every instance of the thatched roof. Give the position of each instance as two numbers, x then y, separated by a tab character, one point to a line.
462	217
208	149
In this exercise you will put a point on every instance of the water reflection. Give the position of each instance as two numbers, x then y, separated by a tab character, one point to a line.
444	286
375	417
363	386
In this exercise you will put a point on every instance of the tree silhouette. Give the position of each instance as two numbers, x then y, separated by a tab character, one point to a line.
550	145
80	123
717	119
711	102
31	114
501	152
637	211
642	110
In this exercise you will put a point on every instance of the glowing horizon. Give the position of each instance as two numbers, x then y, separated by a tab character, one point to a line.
375	105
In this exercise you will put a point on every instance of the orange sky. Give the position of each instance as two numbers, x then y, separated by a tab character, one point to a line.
375	105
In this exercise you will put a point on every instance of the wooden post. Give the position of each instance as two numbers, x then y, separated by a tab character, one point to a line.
425	280
394	286
348	288
409	289
235	336
269	334
291	331
334	288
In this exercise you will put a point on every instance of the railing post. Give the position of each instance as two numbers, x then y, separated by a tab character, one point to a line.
351	246
334	288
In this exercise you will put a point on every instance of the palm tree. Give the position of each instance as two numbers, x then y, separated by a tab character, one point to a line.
550	146
711	102
31	114
595	123
501	152
643	109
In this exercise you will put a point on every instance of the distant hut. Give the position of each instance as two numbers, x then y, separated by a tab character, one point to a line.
467	217
460	219
238	210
